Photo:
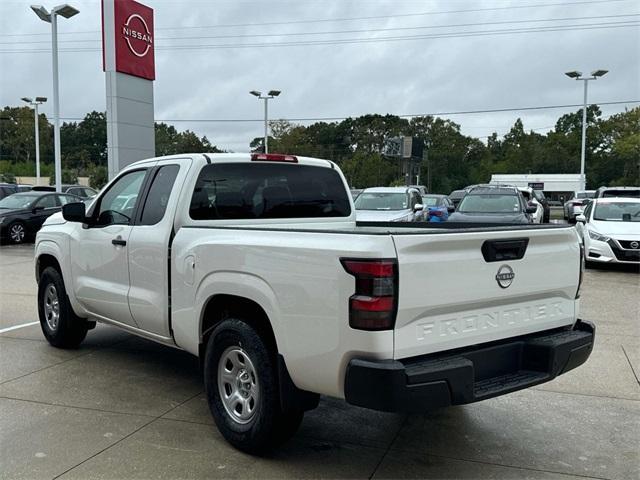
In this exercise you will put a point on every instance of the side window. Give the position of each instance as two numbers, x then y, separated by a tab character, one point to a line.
156	204
48	201
64	199
117	205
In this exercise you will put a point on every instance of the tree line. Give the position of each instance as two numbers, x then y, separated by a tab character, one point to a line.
358	145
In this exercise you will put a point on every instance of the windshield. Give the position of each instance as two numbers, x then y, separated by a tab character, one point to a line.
18	201
618	212
489	203
431	201
585	194
382	201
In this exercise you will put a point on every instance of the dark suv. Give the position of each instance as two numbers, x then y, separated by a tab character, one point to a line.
493	204
7	189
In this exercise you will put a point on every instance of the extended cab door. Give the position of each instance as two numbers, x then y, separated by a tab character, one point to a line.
149	247
99	252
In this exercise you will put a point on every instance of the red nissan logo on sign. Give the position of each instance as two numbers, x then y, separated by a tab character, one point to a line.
134	46
139	41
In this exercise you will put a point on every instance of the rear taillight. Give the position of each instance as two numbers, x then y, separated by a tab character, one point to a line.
582	267
435	213
374	304
273	157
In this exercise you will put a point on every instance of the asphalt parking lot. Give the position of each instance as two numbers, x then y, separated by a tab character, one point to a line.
122	407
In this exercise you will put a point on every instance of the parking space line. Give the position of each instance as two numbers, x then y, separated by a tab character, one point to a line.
16	327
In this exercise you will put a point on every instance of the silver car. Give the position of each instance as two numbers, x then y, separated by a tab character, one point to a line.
389	204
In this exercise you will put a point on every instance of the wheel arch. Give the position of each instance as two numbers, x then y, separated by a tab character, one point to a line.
220	306
49	254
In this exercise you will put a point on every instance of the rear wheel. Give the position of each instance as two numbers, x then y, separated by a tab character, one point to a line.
241	382
60	325
17	232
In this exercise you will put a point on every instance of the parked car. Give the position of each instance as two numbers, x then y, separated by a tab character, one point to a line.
456	196
22	214
389	204
629	192
610	228
437	207
574	205
421	189
81	191
531	201
7	189
255	264
493	204
546	206
355	192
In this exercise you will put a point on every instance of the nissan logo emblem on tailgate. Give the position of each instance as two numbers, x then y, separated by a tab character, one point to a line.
505	276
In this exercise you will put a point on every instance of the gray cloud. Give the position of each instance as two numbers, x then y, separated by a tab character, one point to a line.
401	77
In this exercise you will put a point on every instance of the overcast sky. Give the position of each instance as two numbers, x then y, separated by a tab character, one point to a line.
404	76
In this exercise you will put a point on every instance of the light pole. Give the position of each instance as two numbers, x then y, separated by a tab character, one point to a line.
67	11
34	104
271	94
578	76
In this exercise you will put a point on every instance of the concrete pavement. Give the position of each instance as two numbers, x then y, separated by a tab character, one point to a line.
122	407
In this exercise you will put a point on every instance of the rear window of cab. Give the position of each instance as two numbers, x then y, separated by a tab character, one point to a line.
227	191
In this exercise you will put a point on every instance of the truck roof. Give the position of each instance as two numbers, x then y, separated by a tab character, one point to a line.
235	157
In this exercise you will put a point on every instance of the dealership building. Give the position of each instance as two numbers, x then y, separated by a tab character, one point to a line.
556	186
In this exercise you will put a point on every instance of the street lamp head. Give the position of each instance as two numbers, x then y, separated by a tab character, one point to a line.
255	93
66	10
599	73
26	99
41	99
274	93
574	74
42	12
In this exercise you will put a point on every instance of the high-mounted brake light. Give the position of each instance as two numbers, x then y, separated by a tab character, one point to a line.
273	157
374	304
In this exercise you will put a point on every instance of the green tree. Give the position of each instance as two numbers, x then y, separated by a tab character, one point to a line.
98	176
69	177
365	170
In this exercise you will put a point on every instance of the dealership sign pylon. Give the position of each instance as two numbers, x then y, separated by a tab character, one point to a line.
128	52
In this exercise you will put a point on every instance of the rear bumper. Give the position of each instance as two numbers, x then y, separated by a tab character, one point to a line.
467	375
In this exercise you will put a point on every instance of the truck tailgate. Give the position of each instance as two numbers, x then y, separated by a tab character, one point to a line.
450	295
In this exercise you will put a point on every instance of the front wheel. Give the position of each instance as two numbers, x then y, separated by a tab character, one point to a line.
60	325
241	383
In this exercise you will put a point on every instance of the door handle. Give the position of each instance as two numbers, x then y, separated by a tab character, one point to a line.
119	241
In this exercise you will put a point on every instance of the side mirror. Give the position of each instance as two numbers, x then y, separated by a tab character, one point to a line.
451	209
418	207
581	218
530	210
74	212
36	209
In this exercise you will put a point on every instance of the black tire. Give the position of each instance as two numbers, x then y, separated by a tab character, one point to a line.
17	232
267	426
69	330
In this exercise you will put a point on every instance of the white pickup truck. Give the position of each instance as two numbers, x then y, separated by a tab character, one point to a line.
255	264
